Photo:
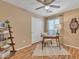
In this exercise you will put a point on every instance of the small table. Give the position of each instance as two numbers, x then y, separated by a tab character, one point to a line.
51	37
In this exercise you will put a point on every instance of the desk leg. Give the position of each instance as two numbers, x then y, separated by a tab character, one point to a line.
42	43
59	43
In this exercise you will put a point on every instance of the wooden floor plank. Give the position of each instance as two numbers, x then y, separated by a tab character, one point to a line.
26	53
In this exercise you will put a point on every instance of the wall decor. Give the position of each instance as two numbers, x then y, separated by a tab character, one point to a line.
74	25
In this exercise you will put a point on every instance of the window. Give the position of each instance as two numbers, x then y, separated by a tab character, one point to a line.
53	26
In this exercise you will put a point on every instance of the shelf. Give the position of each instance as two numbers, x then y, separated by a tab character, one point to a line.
4	48
11	43
5	32
2	27
4	53
10	37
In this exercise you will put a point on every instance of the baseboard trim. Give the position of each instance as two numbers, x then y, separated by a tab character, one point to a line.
27	46
36	42
23	47
39	41
72	46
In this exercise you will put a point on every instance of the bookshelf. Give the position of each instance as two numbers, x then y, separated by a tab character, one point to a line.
10	36
6	39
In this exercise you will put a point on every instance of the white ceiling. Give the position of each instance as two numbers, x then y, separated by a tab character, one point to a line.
30	5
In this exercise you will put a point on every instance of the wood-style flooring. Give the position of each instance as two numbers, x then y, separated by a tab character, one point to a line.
26	53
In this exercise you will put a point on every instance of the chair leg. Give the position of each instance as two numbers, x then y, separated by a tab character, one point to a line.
57	42
51	42
42	45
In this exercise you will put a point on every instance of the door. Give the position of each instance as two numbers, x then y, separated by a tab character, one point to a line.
37	28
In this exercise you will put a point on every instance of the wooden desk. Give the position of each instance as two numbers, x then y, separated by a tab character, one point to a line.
51	37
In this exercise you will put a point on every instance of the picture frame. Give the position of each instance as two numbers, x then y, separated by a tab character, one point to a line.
74	25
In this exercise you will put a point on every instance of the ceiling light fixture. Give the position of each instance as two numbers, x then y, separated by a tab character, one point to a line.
47	7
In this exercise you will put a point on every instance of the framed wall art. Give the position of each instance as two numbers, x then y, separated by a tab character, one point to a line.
74	25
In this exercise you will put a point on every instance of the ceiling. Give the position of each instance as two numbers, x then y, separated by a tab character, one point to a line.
30	5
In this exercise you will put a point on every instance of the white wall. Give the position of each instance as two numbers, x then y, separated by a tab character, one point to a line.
37	28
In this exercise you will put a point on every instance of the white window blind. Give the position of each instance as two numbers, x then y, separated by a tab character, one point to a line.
52	26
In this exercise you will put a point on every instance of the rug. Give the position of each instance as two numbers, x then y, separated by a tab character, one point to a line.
49	51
